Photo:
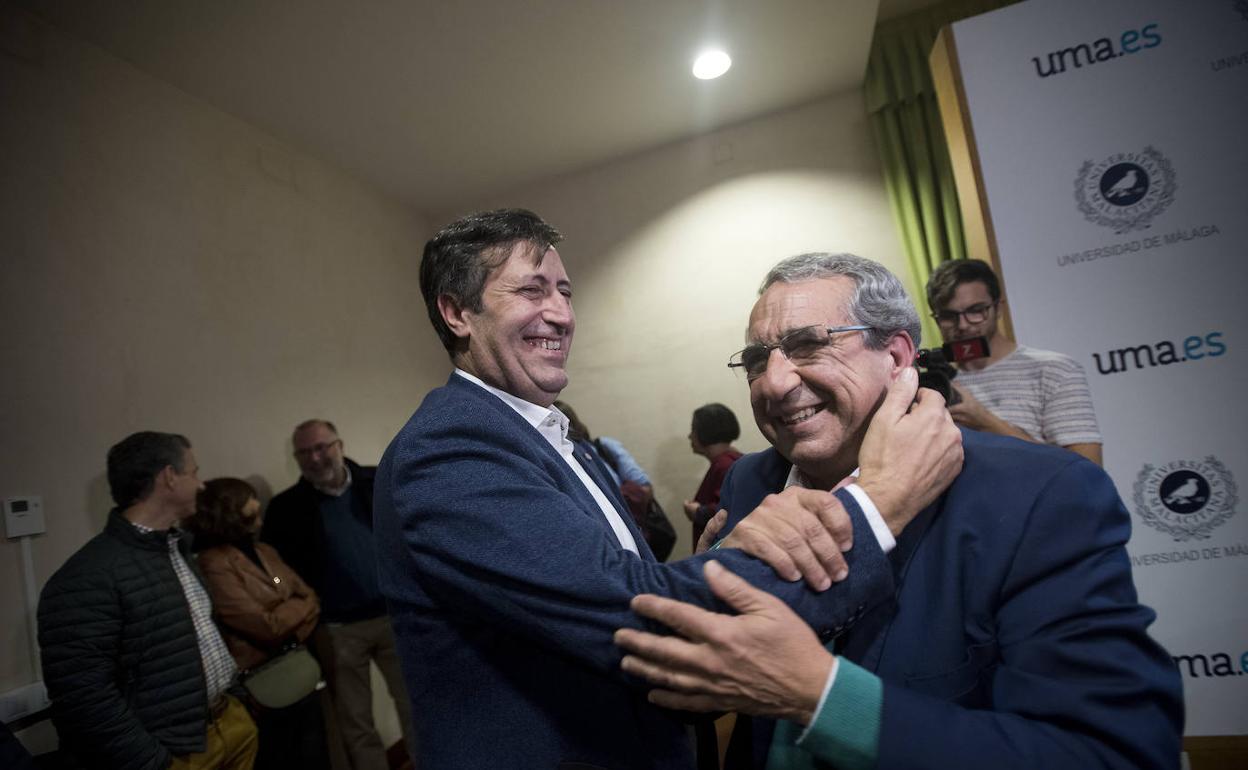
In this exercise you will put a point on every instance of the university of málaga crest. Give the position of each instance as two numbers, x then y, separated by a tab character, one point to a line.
1186	499
1126	190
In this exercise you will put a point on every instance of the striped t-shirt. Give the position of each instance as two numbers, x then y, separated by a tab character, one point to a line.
1042	392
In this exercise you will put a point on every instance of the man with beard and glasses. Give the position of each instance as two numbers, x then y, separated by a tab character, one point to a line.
323	528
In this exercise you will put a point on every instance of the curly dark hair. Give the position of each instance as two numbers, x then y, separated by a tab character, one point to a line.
218	518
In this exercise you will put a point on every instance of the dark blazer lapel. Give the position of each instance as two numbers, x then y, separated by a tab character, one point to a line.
864	641
571	482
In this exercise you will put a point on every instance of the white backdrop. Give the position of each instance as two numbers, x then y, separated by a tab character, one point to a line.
1113	142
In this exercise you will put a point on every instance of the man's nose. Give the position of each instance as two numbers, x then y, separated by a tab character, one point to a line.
779	378
557	310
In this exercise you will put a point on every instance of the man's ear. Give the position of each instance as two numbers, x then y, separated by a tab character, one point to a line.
454	315
164	479
901	350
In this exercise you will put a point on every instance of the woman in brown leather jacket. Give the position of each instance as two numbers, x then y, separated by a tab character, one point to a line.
262	606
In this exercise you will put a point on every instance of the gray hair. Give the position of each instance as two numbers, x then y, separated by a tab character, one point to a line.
879	301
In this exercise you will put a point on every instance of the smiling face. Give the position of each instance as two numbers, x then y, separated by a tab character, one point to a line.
816	414
318	451
520	339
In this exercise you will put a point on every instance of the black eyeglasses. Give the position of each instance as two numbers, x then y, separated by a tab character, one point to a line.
315	449
975	314
801	346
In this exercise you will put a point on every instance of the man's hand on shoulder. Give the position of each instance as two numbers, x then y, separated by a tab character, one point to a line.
911	453
800	533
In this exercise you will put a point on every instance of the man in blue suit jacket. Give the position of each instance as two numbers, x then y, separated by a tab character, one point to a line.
508	560
1013	637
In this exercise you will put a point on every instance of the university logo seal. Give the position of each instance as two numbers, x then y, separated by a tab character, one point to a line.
1126	190
1186	499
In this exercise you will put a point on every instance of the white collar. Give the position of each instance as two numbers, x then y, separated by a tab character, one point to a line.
532	413
798	479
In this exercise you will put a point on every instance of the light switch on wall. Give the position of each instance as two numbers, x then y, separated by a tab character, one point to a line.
24	516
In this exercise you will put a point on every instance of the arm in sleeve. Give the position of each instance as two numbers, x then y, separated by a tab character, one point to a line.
1068	417
523	553
628	468
301	590
80	626
1078	681
269	620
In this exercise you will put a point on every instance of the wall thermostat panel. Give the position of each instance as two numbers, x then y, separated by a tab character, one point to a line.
23	516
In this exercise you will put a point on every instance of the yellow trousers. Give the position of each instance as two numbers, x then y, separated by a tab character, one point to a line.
232	742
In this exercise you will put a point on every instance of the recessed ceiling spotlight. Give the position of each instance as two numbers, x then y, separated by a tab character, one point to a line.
711	64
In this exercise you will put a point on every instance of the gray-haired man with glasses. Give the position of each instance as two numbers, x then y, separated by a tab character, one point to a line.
1013	636
1015	390
323	527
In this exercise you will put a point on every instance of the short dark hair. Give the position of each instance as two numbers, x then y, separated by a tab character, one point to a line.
218	518
136	460
949	276
458	260
715	424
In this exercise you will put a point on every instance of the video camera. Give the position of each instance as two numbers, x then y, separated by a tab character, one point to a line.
936	365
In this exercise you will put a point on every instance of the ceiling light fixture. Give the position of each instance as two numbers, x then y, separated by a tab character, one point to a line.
711	64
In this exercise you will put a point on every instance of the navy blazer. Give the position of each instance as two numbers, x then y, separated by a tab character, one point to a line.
505	585
1015	638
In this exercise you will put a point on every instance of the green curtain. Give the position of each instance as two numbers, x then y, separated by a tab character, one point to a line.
905	121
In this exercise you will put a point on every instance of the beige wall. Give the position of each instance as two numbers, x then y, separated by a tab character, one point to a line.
167	266
666	250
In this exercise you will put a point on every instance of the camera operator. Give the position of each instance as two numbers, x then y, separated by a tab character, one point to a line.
1011	390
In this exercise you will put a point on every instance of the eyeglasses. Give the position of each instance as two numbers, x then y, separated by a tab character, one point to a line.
316	449
800	346
975	314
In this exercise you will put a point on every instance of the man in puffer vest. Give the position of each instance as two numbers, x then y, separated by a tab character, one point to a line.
137	672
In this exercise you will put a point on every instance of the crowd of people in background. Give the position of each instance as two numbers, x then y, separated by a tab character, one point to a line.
124	646
148	665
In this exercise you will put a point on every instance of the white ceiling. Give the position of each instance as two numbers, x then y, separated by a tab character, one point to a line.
440	102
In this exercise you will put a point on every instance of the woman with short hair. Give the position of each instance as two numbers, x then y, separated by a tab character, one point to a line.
714	427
